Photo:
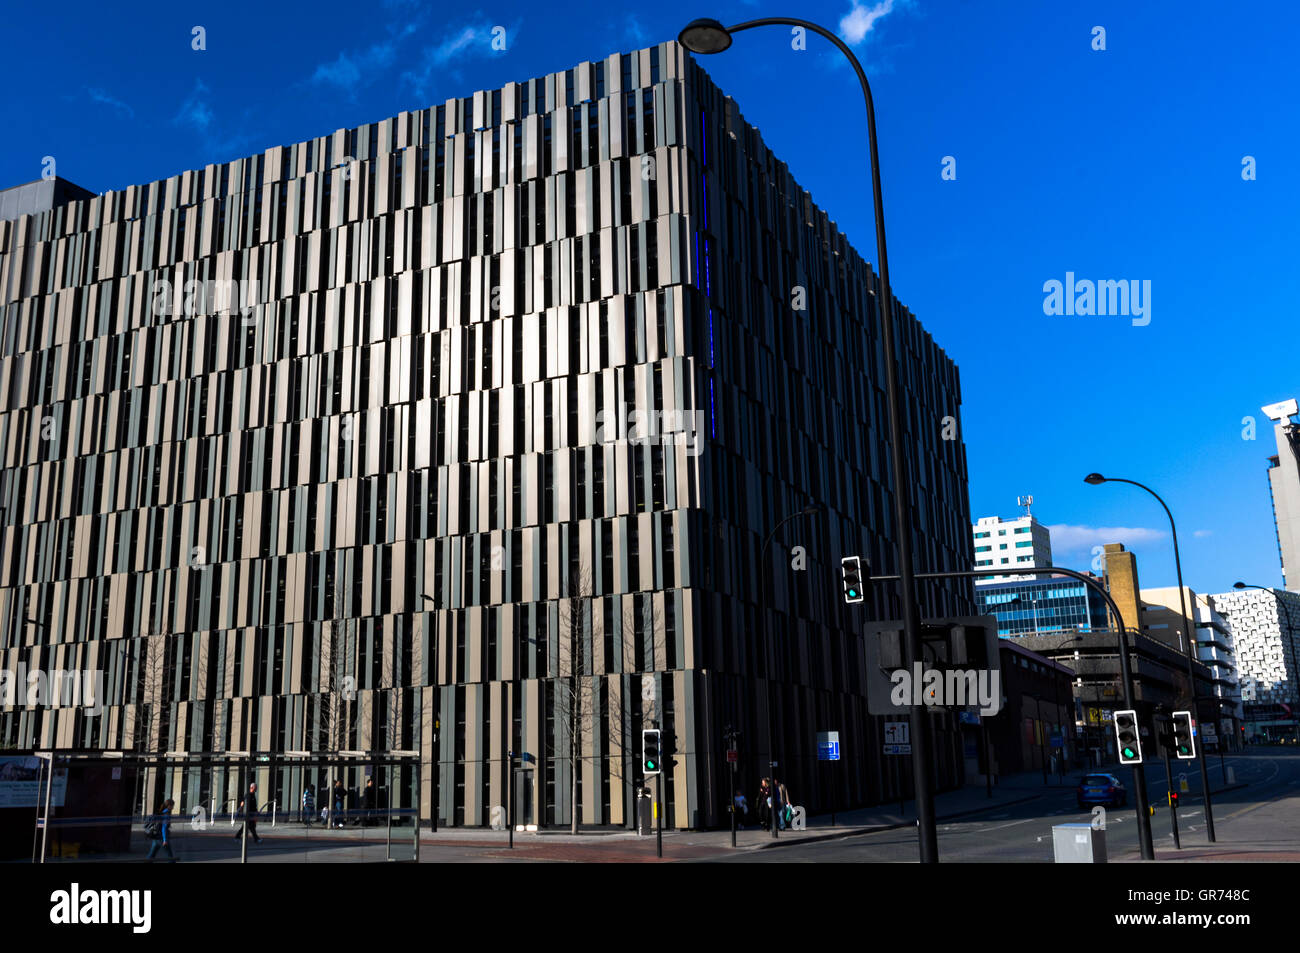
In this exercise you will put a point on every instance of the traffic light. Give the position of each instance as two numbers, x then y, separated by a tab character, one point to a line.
851	566
1173	800
650	763
1184	742
1126	733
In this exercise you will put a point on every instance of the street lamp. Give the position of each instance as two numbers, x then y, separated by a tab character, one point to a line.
1096	479
775	792
1290	636
709	36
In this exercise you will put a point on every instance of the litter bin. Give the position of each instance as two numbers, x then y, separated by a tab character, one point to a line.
1078	844
644	813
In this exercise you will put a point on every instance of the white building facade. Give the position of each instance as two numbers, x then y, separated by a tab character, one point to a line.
1265	627
1006	545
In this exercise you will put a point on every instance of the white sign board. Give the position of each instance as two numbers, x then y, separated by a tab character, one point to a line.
898	733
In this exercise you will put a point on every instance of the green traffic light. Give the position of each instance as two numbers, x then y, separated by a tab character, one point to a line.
650	765
853	593
1129	753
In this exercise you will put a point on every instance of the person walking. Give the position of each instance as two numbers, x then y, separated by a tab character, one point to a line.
249	806
764	804
369	802
741	807
340	797
786	812
159	831
308	804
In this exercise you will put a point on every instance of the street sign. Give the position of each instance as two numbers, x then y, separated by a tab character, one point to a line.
828	746
1056	741
897	733
898	749
733	756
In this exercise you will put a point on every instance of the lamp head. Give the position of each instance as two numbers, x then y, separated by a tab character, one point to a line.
704	36
1094	478
1238	585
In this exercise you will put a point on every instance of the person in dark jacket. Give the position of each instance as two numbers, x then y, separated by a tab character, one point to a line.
369	802
161	837
340	802
249	806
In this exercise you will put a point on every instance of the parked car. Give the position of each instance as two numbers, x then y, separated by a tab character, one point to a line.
1105	789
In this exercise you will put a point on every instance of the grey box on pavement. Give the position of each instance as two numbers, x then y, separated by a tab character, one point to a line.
1078	844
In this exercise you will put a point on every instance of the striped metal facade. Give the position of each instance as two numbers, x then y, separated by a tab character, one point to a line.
234	510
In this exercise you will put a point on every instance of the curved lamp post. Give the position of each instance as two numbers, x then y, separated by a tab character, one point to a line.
1290	635
706	36
1096	479
775	792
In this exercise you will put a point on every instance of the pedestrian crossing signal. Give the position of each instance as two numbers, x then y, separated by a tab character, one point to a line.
650	760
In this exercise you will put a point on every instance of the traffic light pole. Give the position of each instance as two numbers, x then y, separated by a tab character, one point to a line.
659	814
1169	789
1126	677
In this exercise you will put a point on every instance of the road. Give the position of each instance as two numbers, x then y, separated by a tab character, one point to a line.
1261	815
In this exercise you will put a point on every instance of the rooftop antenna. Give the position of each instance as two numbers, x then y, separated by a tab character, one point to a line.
1026	502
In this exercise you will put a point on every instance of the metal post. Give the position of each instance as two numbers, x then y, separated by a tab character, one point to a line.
922	768
659	813
1169	792
988	758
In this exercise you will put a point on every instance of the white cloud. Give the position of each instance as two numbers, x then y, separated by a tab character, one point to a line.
195	111
1202	533
859	21
100	96
1068	539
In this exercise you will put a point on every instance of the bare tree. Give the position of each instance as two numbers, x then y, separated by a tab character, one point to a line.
591	705
337	685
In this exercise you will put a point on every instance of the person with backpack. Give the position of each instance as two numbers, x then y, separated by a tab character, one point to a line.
308	804
250	813
159	831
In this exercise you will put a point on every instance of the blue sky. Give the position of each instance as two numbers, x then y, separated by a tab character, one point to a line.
1122	163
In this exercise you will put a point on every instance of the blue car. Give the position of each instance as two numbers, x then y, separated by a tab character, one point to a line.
1104	789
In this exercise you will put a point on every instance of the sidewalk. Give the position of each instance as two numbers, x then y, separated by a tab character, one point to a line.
950	805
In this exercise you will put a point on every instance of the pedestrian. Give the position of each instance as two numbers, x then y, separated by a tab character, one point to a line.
764	804
308	804
741	807
250	813
354	809
159	831
369	802
339	797
786	812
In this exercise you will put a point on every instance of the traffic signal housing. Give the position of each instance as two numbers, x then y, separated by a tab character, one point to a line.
1127	738
650	758
1184	740
851	566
